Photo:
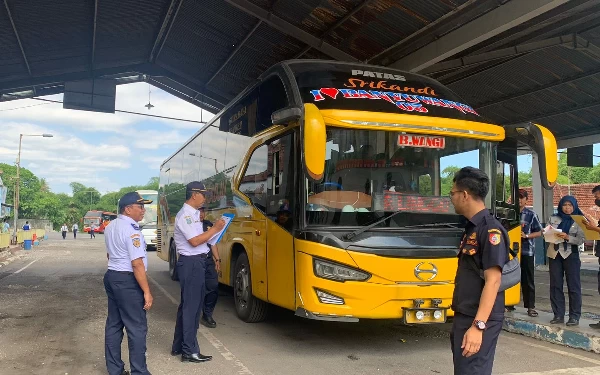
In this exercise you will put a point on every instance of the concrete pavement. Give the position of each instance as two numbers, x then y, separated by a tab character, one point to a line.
53	308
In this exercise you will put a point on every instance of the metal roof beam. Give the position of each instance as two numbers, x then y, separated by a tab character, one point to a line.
93	54
589	138
477	31
165	29
537	117
12	86
565	40
551	85
337	24
587	46
234	52
14	27
287	28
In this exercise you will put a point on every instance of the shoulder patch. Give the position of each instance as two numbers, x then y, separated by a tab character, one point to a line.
135	235
495	231
188	219
136	242
473	236
135	226
495	238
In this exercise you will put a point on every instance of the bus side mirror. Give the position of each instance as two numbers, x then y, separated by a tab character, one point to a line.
315	139
539	139
286	115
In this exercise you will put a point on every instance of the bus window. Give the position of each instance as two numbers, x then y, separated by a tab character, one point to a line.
256	180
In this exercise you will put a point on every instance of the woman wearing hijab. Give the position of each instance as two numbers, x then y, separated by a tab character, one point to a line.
564	261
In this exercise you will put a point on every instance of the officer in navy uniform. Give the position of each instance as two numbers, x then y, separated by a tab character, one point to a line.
127	287
213	267
190	240
477	303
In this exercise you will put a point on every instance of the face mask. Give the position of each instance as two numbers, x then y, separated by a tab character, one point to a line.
597	201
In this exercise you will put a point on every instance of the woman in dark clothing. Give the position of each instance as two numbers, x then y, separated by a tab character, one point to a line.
564	261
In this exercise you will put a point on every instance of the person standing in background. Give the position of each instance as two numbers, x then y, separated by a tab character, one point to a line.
530	229
75	228
64	229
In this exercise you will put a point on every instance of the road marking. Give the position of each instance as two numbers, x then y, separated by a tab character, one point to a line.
564	371
226	353
553	350
24	268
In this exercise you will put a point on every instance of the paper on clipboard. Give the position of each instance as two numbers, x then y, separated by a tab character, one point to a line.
550	235
217	237
589	234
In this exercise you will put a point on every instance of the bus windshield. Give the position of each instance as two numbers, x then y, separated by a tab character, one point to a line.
370	174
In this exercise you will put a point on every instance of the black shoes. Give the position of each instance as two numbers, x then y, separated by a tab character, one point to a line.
195	358
175	353
208	322
125	372
572	322
557	320
595	325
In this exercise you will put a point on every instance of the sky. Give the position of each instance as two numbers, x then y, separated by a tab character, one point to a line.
104	151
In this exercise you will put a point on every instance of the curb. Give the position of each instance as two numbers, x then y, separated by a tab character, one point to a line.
579	337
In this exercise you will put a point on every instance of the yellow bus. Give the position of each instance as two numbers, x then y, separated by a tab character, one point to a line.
338	175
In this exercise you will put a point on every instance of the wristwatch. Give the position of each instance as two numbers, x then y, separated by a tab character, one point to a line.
480	325
526	236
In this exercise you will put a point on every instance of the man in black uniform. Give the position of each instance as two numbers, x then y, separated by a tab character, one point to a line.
211	276
477	304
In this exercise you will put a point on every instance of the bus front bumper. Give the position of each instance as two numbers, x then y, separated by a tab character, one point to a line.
349	301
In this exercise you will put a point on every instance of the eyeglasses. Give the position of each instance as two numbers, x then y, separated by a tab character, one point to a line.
451	193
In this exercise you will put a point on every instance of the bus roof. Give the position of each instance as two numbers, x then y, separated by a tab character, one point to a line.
292	67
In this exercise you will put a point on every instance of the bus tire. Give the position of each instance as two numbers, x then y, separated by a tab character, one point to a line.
249	308
173	261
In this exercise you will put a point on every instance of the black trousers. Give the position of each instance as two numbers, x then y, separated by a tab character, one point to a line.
571	268
64	234
211	288
125	309
528	281
74	233
482	362
192	278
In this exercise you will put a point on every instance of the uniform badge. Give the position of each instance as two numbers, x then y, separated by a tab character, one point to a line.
136	242
472	252
495	231
473	236
188	220
495	239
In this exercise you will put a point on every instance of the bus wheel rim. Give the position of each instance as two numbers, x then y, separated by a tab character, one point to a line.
241	287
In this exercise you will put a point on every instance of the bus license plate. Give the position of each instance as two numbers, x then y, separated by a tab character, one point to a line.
410	316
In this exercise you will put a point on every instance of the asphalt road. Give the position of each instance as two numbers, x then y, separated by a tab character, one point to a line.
53	308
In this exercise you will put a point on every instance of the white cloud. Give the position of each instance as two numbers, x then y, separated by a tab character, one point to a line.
131	97
152	139
154	162
62	158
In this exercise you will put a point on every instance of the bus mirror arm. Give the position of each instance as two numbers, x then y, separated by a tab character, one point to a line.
286	115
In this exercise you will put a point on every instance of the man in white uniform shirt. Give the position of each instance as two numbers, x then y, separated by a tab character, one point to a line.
190	240
127	287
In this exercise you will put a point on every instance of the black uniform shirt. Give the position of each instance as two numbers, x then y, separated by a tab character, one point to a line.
486	240
206	225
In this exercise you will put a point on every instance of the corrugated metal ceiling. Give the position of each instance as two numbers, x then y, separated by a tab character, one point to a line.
194	49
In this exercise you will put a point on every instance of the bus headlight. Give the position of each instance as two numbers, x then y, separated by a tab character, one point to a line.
437	315
337	272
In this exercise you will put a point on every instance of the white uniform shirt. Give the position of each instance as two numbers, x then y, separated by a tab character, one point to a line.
75	227
64	228
124	243
187	226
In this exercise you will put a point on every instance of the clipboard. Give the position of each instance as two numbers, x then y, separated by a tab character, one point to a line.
589	234
217	237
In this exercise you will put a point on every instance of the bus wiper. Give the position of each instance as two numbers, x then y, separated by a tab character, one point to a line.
351	235
450	225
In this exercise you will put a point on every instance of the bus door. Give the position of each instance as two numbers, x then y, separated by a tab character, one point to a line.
281	220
